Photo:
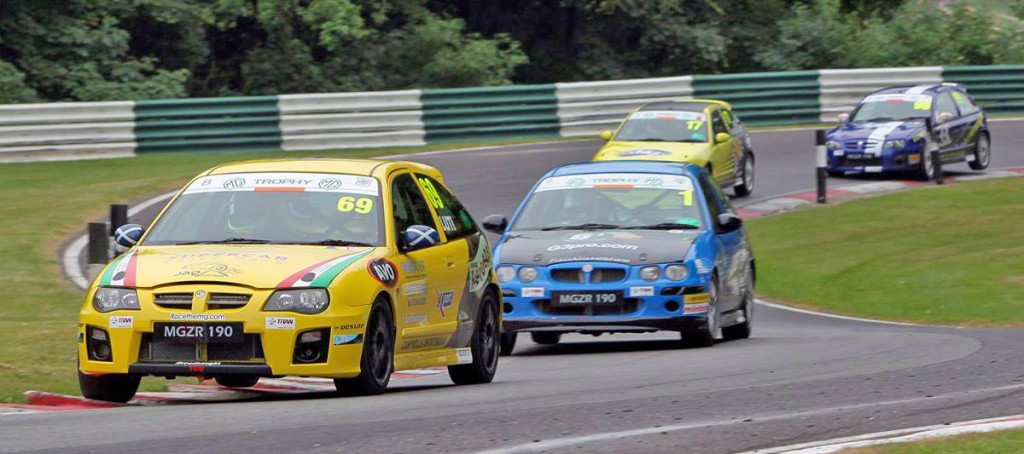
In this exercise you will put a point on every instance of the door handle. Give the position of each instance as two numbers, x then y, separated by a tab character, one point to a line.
450	261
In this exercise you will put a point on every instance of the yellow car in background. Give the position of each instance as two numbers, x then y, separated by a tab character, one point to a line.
704	132
348	269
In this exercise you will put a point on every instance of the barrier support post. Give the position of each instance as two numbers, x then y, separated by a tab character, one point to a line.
822	163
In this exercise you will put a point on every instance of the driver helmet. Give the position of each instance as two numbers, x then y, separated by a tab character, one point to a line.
245	212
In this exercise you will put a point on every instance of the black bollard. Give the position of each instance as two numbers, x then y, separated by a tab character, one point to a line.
940	178
98	243
822	161
118	217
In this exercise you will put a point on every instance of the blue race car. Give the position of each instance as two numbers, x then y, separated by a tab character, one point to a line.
625	246
888	131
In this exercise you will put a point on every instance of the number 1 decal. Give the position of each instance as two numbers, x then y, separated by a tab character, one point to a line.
687	197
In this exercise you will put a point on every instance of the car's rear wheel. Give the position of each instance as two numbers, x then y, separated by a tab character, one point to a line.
982	153
704	335
237	381
118	388
546	338
508	343
746	187
378	356
742	330
484	345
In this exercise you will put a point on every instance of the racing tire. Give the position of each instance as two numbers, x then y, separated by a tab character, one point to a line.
237	381
546	338
508	343
982	153
747	186
927	170
118	388
742	330
378	358
706	334
485	346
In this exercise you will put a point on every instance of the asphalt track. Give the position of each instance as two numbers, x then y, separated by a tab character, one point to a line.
801	377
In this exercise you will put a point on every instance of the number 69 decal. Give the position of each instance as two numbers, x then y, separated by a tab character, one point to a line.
361	205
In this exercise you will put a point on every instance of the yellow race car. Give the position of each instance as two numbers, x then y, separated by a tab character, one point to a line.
697	131
347	269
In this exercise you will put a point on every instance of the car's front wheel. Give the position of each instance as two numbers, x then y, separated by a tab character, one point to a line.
742	330
484	345
237	381
118	388
377	361
927	171
982	153
704	335
746	186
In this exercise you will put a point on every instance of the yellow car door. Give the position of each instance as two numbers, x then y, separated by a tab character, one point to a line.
723	155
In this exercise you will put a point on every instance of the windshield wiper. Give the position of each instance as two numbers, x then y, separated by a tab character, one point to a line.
648	139
226	241
663	226
334	243
582	227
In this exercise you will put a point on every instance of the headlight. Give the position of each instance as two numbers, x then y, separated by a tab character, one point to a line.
505	273
115	299
527	274
305	301
650	273
676	272
895	143
833	145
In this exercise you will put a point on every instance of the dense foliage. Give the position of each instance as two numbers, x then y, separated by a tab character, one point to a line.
55	50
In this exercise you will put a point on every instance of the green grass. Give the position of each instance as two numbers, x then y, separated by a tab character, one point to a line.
1003	442
40	205
943	255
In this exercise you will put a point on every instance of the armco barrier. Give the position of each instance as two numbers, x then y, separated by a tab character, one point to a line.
351	120
765	99
518	111
208	124
587	108
999	89
38	132
841	89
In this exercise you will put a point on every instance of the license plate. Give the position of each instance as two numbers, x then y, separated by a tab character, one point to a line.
855	156
586	297
195	333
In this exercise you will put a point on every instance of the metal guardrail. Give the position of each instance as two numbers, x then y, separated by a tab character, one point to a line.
518	111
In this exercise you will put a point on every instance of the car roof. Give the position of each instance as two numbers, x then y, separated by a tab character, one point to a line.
923	89
626	166
368	167
685	105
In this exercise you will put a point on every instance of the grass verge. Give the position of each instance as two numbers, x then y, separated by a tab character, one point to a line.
40	205
943	255
986	443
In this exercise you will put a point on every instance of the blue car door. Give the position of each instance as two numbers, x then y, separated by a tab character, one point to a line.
971	116
730	247
949	135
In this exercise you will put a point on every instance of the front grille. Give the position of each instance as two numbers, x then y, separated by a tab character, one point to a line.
173	300
607	275
597	276
864	161
860	145
227	301
629	306
568	275
249	349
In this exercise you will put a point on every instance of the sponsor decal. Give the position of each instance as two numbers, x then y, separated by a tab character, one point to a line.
416	301
616	180
384	271
666	115
697	298
588	259
481	264
196	367
321	274
345	339
532	292
280	323
464	355
415	319
286	181
641	291
231	185
703	267
695	308
349	326
448	224
415	288
414	268
246	256
121	321
569	247
364	182
429	342
330	184
198	317
445	300
644	152
597	235
209	269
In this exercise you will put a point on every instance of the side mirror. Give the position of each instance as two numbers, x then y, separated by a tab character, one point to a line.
606	135
721	137
843	118
945	117
419	237
729	222
496	223
128	235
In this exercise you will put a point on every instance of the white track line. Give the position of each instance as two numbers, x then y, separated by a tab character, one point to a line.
835	316
558	443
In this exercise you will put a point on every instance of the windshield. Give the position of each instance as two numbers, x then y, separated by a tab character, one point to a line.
611	201
664	126
893	108
278	207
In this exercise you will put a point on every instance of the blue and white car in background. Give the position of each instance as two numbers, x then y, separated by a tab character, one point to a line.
889	131
624	246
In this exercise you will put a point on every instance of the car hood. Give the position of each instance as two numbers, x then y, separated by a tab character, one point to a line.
632	247
890	130
653	151
256	266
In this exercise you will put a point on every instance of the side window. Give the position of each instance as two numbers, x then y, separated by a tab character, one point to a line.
409	205
709	190
964	103
455	220
717	124
944	103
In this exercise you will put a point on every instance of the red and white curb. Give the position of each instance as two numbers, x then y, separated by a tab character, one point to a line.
808	198
899	436
180	393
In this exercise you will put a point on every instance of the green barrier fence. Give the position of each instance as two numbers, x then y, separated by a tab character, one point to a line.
999	89
765	99
519	111
208	124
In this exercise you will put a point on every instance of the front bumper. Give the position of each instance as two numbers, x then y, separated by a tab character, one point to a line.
901	160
